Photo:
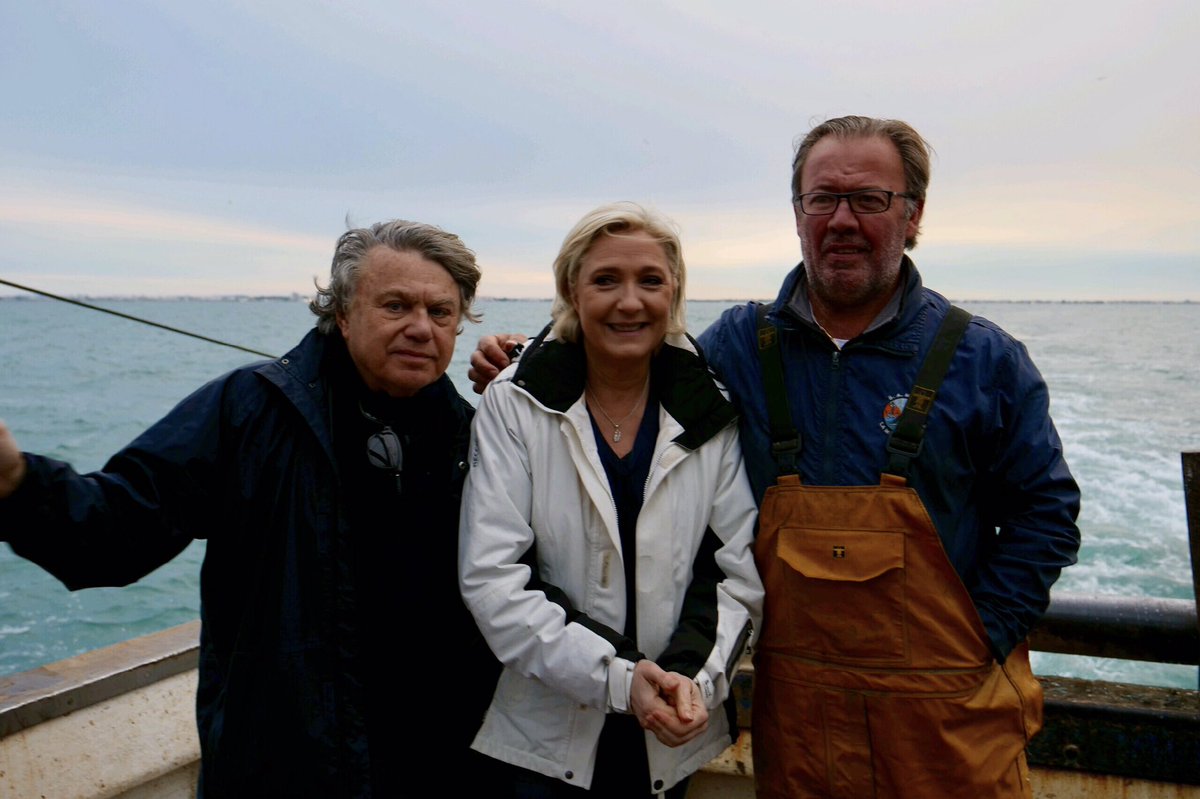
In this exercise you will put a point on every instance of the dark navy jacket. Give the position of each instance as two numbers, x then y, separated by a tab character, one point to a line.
247	462
991	472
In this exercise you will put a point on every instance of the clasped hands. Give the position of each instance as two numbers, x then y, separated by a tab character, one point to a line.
667	704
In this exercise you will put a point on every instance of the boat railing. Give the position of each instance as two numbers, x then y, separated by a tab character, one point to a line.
1134	731
113	722
1146	629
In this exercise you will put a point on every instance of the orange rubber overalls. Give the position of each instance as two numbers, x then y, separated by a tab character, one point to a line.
873	675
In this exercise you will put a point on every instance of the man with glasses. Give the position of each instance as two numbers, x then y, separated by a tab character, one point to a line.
327	484
915	507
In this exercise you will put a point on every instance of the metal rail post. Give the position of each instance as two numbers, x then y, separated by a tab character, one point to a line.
1191	499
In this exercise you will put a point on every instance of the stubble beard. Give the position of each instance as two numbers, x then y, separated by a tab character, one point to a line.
850	288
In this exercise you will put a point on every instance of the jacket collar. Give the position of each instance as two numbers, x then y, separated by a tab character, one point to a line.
299	374
554	372
304	378
897	327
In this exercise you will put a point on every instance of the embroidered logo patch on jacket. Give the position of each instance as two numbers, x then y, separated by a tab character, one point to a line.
892	411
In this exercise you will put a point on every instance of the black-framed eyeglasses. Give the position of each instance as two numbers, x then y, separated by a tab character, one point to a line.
384	450
863	201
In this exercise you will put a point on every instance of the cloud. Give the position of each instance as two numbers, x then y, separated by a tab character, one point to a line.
99	219
224	145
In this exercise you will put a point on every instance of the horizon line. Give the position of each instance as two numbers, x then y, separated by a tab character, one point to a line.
295	296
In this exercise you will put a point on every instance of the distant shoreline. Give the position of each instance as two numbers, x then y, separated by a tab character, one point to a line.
306	298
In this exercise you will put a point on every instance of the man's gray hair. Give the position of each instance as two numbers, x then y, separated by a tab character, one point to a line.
914	154
428	241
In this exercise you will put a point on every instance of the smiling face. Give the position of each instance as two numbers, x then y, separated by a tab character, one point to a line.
853	261
403	322
623	295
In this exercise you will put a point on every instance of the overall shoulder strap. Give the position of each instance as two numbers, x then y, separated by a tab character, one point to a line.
785	439
906	439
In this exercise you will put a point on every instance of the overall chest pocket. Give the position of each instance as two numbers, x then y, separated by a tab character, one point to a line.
845	593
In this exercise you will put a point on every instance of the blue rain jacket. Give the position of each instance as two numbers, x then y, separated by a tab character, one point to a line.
991	471
247	462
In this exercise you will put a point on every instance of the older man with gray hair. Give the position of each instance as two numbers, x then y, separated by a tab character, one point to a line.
327	484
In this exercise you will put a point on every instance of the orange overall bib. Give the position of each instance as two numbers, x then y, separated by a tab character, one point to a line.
873	676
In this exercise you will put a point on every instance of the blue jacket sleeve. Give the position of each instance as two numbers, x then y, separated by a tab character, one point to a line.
1031	500
114	526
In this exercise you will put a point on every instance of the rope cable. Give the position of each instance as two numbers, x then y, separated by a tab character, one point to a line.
133	318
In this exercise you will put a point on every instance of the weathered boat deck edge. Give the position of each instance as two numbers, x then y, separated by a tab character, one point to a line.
119	722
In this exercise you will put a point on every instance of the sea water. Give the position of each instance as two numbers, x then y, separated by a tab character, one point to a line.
77	385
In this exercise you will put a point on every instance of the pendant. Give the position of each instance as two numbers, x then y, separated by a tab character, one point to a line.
616	434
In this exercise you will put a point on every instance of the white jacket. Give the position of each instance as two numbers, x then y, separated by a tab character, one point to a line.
537	493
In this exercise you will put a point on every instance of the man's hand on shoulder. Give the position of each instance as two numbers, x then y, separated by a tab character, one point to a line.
491	356
12	463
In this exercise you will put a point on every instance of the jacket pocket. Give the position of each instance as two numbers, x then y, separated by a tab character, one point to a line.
845	593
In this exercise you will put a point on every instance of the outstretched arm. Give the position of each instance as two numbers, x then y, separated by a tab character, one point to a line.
114	526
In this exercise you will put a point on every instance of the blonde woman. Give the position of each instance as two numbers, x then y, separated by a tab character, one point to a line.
607	523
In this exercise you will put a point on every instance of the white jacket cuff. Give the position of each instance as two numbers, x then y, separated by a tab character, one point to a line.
620	681
708	690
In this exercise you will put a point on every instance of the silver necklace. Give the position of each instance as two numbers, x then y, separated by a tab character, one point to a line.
616	436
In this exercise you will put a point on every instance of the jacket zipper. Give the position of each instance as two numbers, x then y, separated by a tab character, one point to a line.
829	439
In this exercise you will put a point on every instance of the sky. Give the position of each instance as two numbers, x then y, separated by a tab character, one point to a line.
217	148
